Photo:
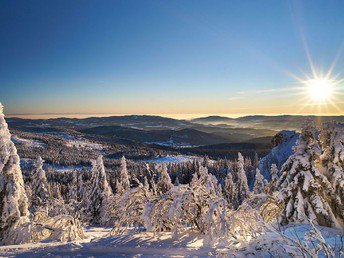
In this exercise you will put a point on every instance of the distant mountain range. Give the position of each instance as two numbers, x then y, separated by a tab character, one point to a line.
174	133
283	122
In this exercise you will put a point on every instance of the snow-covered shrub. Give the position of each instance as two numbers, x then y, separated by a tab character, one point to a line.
197	206
64	228
127	209
268	209
244	225
293	241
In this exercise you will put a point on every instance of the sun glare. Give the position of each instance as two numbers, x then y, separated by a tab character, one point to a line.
320	90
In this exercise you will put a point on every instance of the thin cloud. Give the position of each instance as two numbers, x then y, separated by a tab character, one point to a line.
243	94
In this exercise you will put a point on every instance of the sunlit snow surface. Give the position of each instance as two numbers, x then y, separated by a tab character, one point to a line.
80	143
28	142
174	159
145	244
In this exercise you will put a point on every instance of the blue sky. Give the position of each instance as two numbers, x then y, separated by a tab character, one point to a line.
160	57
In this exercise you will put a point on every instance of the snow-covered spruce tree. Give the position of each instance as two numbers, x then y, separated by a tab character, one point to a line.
123	183
305	192
243	190
272	185
259	186
230	190
13	199
72	196
164	184
39	186
100	193
332	161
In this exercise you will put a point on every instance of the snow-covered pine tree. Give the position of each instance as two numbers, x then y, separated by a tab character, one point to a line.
272	185
100	193
332	161
123	183
39	186
72	195
13	200
230	190
305	192
164	184
243	190
259	186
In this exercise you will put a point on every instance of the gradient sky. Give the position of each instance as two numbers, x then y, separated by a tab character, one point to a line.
166	57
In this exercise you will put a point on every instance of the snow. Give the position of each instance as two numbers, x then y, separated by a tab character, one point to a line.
26	162
174	159
278	154
171	143
28	142
145	244
71	141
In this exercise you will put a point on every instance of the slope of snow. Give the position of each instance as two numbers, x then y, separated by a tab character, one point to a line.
279	154
80	143
173	159
28	142
28	163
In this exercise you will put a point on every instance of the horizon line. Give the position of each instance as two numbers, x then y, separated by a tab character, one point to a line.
169	115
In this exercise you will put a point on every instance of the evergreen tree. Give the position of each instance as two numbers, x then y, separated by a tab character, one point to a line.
164	184
272	185
100	193
305	192
39	186
258	183
13	200
243	190
123	184
230	190
332	161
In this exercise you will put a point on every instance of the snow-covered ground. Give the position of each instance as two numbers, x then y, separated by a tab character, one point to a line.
99	244
80	143
173	159
279	154
28	142
26	162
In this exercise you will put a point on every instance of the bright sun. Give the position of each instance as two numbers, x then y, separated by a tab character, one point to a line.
320	90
